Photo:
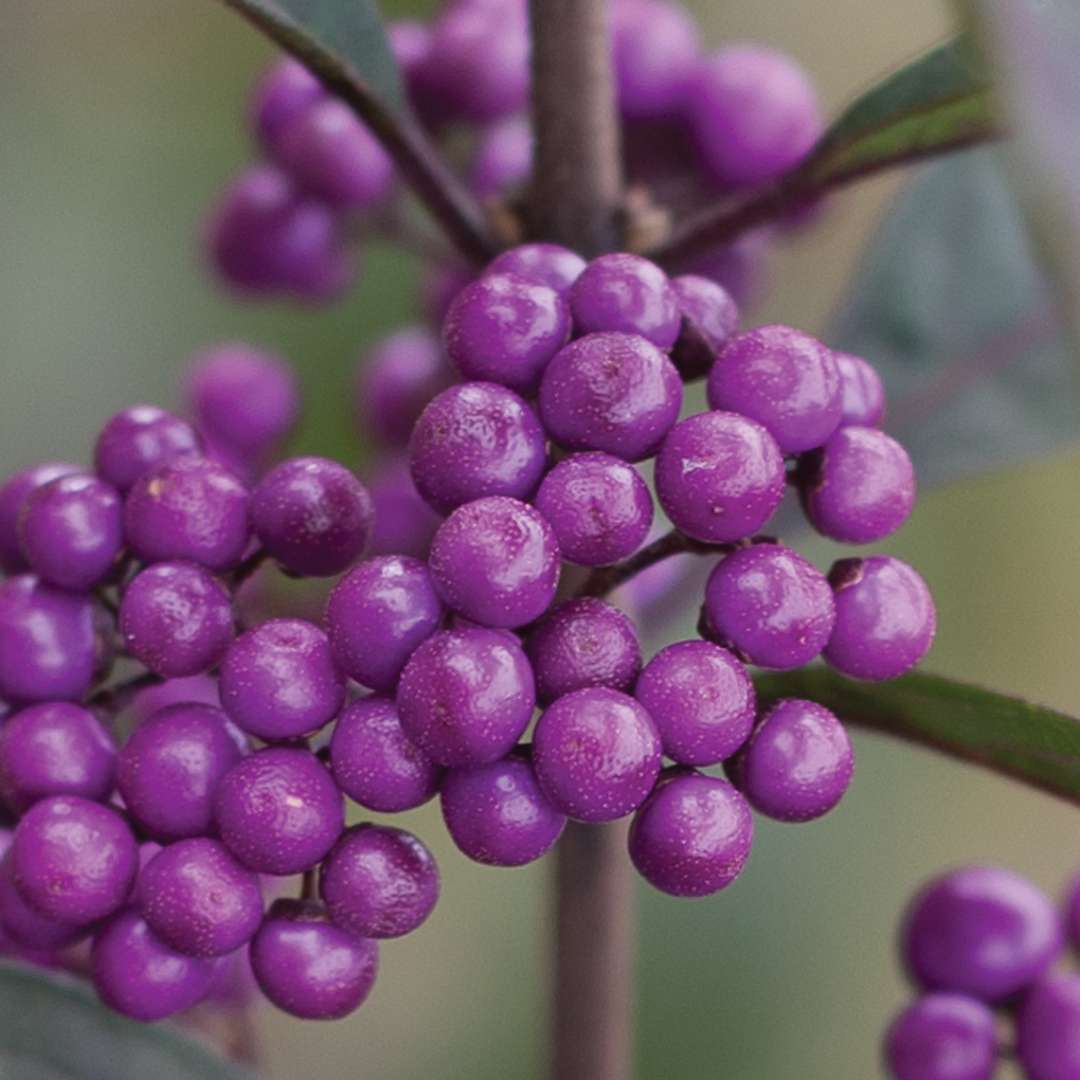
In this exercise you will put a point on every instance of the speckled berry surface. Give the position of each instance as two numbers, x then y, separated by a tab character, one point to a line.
626	293
138	439
942	1037
549	264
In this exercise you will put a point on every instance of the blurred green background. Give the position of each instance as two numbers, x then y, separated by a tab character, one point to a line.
119	121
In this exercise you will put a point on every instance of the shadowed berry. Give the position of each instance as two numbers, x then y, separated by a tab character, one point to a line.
942	1037
862	391
14	492
1047	1026
709	318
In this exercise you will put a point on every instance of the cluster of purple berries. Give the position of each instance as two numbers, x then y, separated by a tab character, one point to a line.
982	940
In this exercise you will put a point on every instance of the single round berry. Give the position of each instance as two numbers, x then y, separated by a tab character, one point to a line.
404	522
279	680
1046	1028
183	750
862	391
597	754
548	264
466	696
599	507
279	811
942	1037
654	50
859	487
198	899
496	561
176	619
709	319
312	515
981	930
137	974
73	860
797	764
719	476
138	439
580	643
692	836
770	605
410	43
379	882
25	925
505	329
497	814
14	492
307	966
56	748
614	392
442	281
626	293
502	157
285	91
376	764
700	698
885	618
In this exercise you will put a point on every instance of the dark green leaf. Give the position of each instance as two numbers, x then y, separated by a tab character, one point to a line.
1028	742
53	1027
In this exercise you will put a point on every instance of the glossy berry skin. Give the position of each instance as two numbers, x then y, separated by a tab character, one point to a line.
614	392
753	112
980	930
379	882
73	860
14	492
502	158
596	753
942	1037
24	925
797	764
548	264
496	561
580	643
701	699
885	618
279	680
307	966
862	392
476	439
626	293
378	614
49	646
198	899
496	813
1046	1028
312	515
138	439
56	748
719	476
404	522
654	50
505	329
770	605
375	763
176	618
183	749
279	811
859	487
599	507
138	975
466	696
71	531
286	91
709	319
785	380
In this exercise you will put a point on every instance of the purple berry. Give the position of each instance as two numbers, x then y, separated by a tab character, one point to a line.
548	264
862	391
1072	911
442	281
599	508
195	690
476	439
375	763
286	91
692	836
597	754
770	605
279	680
942	1037
885	618
1047	1026
55	748
279	811
308	967
981	930
502	157
404	523
614	392
580	643
709	319
379	882
26	926
626	293
14	492
182	750
138	439
700	698
655	48
312	515
466	696
378	614
496	561
719	476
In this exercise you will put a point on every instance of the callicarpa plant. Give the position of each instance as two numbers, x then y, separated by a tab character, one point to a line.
594	190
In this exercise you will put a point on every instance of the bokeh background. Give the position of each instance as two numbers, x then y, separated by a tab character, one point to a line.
119	121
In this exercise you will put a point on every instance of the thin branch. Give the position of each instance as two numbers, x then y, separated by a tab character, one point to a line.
248	568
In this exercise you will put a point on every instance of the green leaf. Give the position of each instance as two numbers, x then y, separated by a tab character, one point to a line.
53	1027
1028	742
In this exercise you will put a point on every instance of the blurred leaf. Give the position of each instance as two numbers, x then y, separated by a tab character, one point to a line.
1027	742
53	1026
951	307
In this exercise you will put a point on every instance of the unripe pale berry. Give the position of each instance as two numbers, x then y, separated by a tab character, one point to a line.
942	1037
